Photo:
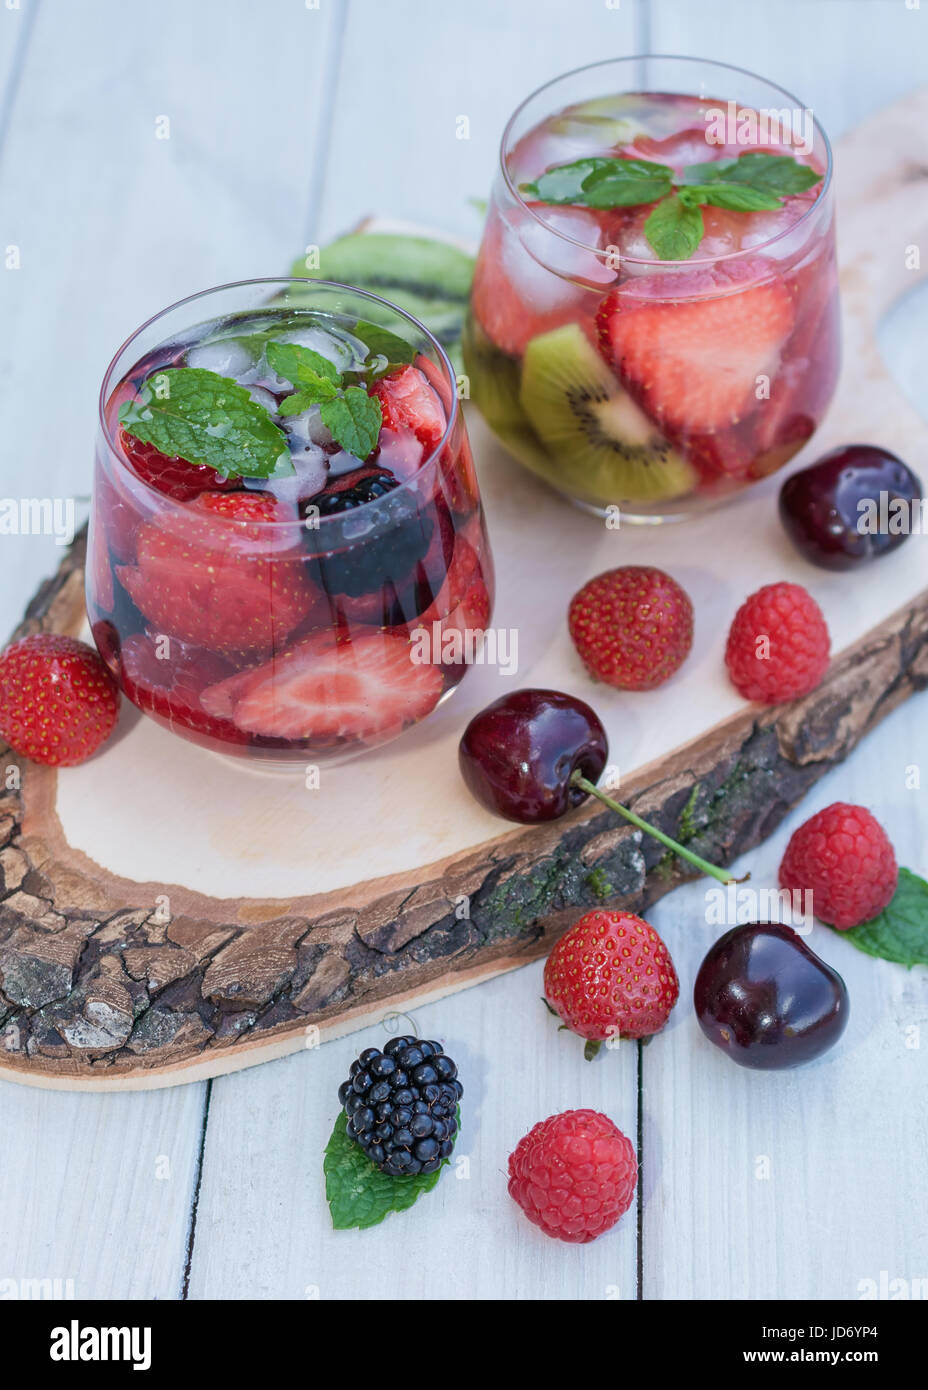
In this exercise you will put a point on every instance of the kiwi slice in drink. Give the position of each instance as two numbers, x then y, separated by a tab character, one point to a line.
602	447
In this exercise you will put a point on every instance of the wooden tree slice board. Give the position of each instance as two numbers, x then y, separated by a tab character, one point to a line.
167	915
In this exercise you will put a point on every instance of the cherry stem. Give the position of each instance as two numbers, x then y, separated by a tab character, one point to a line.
723	876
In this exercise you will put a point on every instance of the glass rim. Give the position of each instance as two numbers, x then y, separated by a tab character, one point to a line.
298	523
675	58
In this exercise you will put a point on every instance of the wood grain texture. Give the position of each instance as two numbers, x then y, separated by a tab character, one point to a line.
100	989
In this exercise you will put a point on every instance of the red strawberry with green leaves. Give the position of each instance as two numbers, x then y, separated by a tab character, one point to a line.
611	976
694	363
58	702
327	688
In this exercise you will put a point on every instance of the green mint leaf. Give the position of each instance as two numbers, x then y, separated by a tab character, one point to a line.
900	933
777	174
674	229
357	1192
380	342
207	419
622	183
738	197
301	365
563	183
600	182
302	400
353	418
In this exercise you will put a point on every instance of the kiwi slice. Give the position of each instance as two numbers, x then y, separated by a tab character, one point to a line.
602	447
427	277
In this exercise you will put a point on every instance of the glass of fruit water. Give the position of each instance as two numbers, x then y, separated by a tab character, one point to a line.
287	558
654	319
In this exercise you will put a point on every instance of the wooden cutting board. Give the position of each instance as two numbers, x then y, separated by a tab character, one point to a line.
167	915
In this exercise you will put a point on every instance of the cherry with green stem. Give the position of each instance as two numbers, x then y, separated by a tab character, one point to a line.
533	755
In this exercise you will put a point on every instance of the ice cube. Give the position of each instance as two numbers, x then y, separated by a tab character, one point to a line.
226	357
308	427
311	465
326	344
263	375
262	397
342	462
544	268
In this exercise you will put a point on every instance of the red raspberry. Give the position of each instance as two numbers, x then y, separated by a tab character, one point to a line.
844	857
778	645
573	1175
611	975
58	702
632	627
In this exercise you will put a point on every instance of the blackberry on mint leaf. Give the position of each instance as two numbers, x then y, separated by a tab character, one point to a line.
401	1105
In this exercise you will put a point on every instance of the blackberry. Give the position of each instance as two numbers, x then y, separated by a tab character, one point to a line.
367	490
401	1105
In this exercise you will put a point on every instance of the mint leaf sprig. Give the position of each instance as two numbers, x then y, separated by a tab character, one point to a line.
193	414
357	1192
900	932
352	417
753	182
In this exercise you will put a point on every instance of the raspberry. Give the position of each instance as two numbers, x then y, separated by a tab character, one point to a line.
401	1105
778	645
632	627
573	1175
841	855
611	975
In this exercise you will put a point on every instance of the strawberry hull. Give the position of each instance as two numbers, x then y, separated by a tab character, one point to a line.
272	621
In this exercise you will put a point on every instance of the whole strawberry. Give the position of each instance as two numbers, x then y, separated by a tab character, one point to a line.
778	645
611	976
632	627
58	702
573	1175
843	857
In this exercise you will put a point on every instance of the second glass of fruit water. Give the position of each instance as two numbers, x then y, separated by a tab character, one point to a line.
618	374
287	558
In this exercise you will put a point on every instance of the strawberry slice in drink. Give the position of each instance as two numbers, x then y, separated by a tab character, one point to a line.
203	592
694	363
407	401
166	677
324	688
175	477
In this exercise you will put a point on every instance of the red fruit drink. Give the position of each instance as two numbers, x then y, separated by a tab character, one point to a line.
655	307
284	503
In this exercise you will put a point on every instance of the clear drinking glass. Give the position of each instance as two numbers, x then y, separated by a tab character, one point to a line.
660	386
298	637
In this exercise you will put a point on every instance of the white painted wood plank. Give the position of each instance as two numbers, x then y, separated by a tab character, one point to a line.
97	1190
845	1138
797	1184
843	58
399	154
112	224
263	1227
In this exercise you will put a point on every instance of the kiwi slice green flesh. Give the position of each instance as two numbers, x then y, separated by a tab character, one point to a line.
602	445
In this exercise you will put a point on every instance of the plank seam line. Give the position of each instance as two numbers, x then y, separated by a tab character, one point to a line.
16	71
198	1178
330	85
639	1145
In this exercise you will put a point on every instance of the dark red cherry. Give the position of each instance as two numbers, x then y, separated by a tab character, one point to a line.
767	1000
517	756
820	506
